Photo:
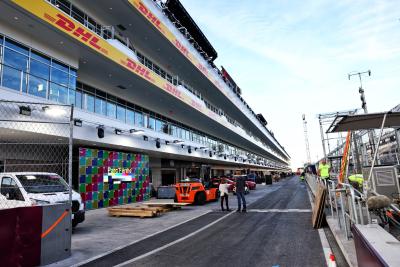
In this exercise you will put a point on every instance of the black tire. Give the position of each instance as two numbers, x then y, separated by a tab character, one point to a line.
176	198
200	198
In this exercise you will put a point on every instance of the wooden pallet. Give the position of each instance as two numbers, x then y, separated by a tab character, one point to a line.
133	212
319	203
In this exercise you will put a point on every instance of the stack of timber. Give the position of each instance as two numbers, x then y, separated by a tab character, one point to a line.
319	203
147	210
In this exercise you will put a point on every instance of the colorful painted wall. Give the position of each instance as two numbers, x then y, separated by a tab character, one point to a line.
109	178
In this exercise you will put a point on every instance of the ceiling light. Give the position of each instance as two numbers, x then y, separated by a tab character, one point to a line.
158	144
25	110
100	131
145	138
189	150
118	131
78	122
166	142
178	141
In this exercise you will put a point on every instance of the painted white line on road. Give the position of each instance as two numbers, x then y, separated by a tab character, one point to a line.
279	210
136	241
324	241
174	242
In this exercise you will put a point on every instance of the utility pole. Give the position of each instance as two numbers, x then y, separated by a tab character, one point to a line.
364	105
306	139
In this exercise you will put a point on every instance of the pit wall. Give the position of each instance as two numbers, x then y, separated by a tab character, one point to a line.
128	184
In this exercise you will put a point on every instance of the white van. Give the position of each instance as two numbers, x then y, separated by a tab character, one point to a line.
19	189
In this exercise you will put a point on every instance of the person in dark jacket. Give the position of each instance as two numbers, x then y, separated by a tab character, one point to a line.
240	188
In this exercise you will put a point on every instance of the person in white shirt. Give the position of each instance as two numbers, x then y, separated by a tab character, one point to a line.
223	189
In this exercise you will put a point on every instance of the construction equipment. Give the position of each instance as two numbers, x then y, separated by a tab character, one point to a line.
193	191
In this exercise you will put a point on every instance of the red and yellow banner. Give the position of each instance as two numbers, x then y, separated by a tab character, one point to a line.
152	18
53	16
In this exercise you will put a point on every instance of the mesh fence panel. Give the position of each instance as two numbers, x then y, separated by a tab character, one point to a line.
34	153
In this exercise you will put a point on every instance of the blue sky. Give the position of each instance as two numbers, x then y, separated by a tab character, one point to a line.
293	57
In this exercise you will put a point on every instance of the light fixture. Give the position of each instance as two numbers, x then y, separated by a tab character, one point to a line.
189	150
54	111
167	142
210	154
195	149
78	122
100	131
158	144
203	147
224	156
178	141
235	159
25	110
182	146
118	131
134	131
145	138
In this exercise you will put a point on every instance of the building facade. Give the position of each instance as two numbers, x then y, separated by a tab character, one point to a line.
149	103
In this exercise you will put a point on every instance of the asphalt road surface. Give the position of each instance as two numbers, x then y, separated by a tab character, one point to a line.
276	231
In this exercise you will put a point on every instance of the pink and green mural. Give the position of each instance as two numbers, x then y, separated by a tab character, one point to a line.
109	178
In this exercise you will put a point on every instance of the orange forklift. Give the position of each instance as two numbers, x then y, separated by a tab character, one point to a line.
192	190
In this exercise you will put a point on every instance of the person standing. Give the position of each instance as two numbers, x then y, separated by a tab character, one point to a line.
324	170
240	189
223	189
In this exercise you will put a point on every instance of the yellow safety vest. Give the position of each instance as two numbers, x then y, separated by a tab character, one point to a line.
358	178
324	170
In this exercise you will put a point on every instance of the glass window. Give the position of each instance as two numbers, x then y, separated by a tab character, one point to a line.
40	69
78	99
39	57
159	125
121	113
130	117
60	66
12	78
78	14
72	81
58	93
139	119
111	110
16	60
101	106
59	76
17	47
151	124
37	86
71	96
88	102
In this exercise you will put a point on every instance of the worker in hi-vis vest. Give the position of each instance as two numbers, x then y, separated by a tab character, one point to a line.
356	180
324	169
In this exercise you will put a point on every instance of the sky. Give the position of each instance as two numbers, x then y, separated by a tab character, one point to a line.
293	57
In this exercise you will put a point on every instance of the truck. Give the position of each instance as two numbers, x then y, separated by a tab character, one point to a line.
192	190
19	189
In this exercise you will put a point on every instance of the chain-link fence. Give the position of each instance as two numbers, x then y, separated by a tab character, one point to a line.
35	154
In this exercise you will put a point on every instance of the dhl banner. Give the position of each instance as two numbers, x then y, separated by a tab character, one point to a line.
146	12
79	32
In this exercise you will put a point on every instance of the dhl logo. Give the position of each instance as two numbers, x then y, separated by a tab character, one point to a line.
68	25
182	48
150	16
173	90
137	68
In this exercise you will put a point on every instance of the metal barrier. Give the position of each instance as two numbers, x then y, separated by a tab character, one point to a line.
346	204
